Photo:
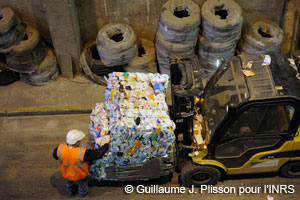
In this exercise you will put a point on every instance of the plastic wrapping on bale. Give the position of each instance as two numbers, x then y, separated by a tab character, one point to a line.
144	62
221	20
177	32
116	44
261	36
221	29
135	115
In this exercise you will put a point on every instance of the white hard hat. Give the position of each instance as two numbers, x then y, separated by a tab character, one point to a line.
74	136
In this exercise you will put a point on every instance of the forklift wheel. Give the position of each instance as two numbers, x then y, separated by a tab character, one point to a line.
291	170
192	174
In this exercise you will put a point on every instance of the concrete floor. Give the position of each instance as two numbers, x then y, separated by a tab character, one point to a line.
28	171
61	96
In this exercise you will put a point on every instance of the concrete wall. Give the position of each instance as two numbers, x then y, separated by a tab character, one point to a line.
32	12
143	15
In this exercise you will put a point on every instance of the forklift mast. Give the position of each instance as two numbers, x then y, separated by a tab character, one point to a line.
186	83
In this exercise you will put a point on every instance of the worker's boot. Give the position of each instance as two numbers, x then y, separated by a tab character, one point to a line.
71	189
83	195
83	187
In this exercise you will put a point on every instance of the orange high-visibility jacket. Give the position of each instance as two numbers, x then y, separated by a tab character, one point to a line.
71	162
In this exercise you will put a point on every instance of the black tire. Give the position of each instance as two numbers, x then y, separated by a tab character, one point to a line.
125	33
145	60
291	170
188	21
262	36
192	174
46	72
222	20
27	55
8	21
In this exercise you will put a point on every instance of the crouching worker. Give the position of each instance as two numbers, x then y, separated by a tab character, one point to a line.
74	161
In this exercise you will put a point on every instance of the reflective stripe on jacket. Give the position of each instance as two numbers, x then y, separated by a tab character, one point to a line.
71	162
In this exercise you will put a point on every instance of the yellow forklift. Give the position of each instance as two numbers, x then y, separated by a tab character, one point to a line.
246	120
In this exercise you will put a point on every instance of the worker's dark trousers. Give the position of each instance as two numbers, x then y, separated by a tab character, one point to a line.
82	186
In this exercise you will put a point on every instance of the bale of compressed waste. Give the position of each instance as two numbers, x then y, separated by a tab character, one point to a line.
135	115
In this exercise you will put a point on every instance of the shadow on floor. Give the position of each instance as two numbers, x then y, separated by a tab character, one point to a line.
241	177
159	181
250	176
57	181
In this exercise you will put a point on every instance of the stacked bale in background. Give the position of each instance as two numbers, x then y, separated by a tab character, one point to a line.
11	29
26	56
261	36
116	44
25	51
135	115
221	29
11	32
46	71
177	32
116	49
92	66
145	60
35	62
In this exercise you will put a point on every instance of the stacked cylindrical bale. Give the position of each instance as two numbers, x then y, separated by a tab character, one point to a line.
145	60
11	32
117	48
45	72
25	51
261	36
221	29
11	29
92	66
116	44
26	56
177	32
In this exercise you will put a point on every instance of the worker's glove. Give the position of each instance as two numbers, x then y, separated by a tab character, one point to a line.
103	140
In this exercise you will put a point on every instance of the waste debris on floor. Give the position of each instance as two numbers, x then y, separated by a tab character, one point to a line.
135	115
